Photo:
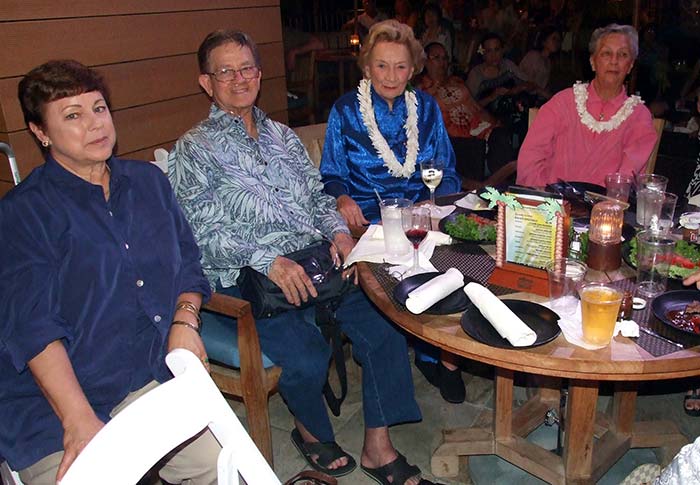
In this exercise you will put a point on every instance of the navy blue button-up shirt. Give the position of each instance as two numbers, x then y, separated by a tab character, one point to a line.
102	276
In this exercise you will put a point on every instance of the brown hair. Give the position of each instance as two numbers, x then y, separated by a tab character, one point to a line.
56	80
219	38
392	31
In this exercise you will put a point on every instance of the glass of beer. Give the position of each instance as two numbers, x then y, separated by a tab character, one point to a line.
600	304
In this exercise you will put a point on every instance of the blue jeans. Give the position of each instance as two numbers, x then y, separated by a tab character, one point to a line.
293	341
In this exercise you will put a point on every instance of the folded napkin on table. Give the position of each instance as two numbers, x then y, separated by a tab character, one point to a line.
370	248
434	290
506	323
473	202
572	329
440	212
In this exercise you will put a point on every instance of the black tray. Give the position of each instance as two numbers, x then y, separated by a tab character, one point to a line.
675	300
540	319
455	302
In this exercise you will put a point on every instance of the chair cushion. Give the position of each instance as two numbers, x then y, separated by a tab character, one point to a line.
220	336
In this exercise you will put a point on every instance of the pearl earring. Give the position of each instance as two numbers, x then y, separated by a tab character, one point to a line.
45	143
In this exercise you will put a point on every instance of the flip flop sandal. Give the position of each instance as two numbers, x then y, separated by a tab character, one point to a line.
399	470
693	396
327	453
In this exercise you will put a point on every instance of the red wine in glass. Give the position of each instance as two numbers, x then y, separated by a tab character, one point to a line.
416	236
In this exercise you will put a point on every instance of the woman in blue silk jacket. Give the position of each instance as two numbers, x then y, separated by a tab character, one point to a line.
378	134
376	138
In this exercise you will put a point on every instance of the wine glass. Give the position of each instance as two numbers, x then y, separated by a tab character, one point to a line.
416	224
431	173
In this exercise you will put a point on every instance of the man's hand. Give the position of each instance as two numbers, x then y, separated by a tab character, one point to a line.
77	433
182	337
350	211
292	280
345	243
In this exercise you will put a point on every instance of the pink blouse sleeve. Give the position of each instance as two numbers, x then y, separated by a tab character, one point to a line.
639	141
536	153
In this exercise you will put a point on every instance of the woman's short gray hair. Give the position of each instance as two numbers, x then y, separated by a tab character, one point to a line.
627	30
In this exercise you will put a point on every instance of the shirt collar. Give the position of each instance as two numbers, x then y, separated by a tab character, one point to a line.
61	176
230	121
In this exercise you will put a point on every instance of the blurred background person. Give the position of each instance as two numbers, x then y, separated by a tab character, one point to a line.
537	65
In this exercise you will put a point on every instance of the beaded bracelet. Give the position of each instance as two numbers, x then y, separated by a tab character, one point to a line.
188	306
188	325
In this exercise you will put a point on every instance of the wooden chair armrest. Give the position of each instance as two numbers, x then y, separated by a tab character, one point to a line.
252	371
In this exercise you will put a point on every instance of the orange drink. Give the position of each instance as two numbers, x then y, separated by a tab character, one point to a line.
600	304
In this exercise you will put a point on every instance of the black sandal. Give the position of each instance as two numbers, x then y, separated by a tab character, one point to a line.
327	453
399	470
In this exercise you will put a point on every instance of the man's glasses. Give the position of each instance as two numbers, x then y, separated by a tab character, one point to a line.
227	75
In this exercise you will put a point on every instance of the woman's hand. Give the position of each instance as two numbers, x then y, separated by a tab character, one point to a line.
182	337
77	433
292	280
693	278
350	211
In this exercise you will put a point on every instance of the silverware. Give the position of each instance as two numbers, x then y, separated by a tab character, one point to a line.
654	334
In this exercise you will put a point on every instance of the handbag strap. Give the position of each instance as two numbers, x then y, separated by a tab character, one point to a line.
330	329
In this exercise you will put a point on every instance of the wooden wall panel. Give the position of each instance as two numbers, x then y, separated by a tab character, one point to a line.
53	9
141	82
147	53
123	38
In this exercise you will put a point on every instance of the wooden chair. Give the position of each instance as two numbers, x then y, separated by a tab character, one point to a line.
238	367
300	82
313	138
659	127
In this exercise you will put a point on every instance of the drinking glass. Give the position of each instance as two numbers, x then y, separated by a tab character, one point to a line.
618	185
652	181
431	173
654	255
395	242
416	224
565	276
600	304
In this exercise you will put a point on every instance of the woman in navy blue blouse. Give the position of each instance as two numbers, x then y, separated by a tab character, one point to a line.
99	278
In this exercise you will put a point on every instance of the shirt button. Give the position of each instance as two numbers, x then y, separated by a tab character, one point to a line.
157	318
139	283
126	245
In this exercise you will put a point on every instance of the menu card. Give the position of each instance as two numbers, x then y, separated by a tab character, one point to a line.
530	232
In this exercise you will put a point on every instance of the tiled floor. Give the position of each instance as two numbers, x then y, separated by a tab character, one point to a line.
417	440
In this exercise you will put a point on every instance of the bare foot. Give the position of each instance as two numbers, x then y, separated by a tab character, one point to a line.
309	438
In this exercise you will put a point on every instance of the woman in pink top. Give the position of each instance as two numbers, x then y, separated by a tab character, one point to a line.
590	130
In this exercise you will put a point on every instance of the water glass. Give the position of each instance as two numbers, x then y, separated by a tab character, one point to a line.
668	210
431	173
618	185
654	255
565	277
652	181
600	304
395	241
656	209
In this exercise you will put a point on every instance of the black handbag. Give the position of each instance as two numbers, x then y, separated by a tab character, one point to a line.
267	300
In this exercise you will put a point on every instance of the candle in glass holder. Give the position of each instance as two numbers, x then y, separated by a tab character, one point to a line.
605	236
355	42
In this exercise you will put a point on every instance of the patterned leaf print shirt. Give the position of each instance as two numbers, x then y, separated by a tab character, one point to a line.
248	201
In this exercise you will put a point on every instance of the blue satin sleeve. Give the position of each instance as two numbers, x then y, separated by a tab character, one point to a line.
350	164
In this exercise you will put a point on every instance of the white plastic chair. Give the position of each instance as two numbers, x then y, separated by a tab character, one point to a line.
8	476
146	430
161	159
7	150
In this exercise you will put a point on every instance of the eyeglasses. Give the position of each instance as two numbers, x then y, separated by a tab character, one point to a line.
227	75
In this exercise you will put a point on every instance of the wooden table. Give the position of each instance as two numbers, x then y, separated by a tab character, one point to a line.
583	461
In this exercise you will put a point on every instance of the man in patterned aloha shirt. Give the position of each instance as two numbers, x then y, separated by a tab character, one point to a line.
251	195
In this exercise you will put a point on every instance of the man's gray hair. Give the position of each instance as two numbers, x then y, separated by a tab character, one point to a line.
627	30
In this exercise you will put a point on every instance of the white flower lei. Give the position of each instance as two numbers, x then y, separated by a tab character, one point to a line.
581	96
364	96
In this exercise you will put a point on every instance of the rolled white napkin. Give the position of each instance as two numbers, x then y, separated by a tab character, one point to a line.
427	294
473	202
506	323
